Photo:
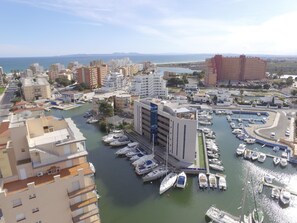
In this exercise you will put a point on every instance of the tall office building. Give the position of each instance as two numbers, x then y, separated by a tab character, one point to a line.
240	68
162	119
45	175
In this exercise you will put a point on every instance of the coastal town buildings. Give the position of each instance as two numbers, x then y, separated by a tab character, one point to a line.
149	85
242	68
102	71
114	81
87	75
45	175
54	70
162	119
36	68
35	88
1	75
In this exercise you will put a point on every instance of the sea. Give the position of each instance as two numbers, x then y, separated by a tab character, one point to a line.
21	63
124	198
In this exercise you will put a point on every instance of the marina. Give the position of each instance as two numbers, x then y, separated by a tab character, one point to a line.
125	199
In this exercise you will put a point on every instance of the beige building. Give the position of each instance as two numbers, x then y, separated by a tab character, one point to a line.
122	101
46	177
35	88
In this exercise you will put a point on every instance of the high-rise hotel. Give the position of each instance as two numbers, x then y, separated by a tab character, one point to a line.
45	175
153	117
242	68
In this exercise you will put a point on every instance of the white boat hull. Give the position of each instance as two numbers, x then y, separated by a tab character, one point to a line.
167	182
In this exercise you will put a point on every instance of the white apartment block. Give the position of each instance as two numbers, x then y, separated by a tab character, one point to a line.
35	88
36	68
162	119
46	176
114	81
149	85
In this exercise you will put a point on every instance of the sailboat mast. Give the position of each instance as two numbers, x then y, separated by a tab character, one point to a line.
255	200
244	197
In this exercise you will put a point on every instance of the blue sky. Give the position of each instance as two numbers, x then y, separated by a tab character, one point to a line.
59	27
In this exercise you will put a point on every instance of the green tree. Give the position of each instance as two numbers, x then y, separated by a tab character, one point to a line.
294	92
63	81
105	109
266	86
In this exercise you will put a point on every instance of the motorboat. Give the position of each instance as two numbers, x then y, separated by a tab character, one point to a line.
276	148
275	193
141	160
206	130
136	157
213	155
112	137
156	173
215	215
284	155
222	183
240	149
237	131
232	125
215	161
167	182
203	183
262	157
92	120
205	122
146	167
250	140
257	215
181	180
228	117
212	181
268	178
92	167
285	197
216	167
255	155
283	162
127	149
247	154
120	142
276	160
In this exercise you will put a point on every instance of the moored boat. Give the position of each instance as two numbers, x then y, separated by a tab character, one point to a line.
216	167
215	161
215	215
212	181
285	197
92	167
250	140
167	182
181	180
255	155
258	216
120	142
275	192
222	183
247	154
240	149
143	159
262	157
112	137
136	157
203	183
146	167
283	162
127	149
156	173
276	160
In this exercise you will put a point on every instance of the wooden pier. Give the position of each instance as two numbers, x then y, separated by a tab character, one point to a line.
279	187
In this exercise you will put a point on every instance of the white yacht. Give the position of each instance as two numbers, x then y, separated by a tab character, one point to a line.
136	157
247	154
148	166
143	159
128	148
120	142
240	149
203	183
92	167
112	137
215	161
222	183
262	157
218	216
167	182
258	216
92	120
276	160
232	125
181	180
212	181
237	131
283	162
216	167
157	173
255	155
285	197
275	192
250	140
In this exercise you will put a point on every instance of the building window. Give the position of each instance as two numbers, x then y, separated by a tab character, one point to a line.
23	150
20	217
16	203
34	210
31	196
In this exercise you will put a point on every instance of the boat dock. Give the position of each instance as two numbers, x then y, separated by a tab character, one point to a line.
279	187
205	153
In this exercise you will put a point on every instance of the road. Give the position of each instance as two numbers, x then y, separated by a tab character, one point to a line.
5	103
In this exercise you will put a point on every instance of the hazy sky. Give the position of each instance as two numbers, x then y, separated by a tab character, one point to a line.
59	27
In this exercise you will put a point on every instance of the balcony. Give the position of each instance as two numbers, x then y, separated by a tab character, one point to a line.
86	215
81	191
93	199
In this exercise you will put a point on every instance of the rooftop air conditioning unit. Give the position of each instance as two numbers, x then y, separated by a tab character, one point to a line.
39	174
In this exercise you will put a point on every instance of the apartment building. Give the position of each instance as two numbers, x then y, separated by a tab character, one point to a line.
102	71
45	176
240	68
114	81
54	70
36	68
149	85
87	75
35	88
1	75
162	119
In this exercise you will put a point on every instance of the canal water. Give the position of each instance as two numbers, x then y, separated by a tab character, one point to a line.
125	199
